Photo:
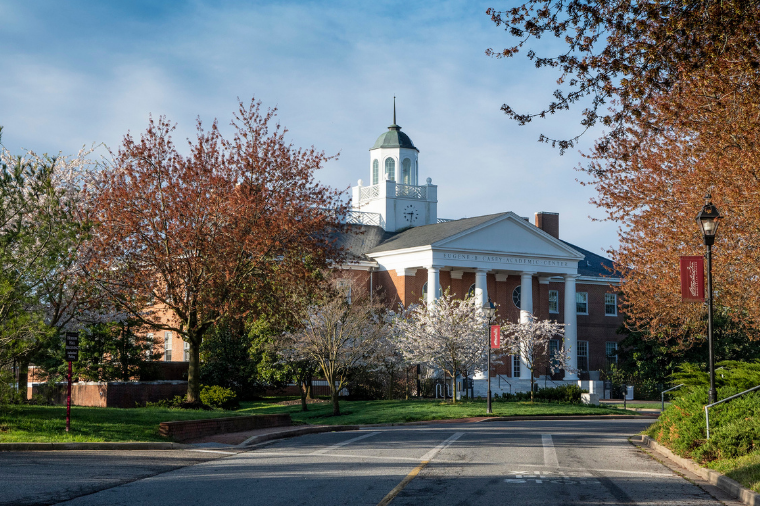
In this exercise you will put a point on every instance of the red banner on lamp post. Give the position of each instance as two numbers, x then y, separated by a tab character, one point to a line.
693	279
495	337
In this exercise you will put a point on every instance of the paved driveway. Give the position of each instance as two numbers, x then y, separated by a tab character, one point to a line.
525	463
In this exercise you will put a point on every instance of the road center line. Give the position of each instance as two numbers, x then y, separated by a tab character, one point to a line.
425	461
344	443
550	454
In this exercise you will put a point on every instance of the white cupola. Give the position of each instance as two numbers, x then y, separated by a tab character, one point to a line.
394	192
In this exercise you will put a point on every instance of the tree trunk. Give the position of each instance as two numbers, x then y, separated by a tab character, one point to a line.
531	386
304	387
336	406
454	388
193	372
310	385
390	385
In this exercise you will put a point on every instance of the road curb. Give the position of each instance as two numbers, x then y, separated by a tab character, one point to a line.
569	417
34	447
301	431
715	478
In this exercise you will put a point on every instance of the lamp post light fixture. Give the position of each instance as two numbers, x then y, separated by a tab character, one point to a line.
489	310
708	219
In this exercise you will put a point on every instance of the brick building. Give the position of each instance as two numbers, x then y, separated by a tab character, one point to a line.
398	244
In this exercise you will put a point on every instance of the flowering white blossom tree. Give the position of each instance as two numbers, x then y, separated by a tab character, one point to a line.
448	334
530	341
338	335
41	235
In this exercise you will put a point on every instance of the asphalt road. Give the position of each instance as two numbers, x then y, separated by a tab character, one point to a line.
490	463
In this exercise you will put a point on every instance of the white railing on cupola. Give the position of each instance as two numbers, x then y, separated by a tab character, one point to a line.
444	220
411	191
362	218
402	190
369	192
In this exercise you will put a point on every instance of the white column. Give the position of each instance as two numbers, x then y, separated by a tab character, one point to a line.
526	309
433	290
481	287
571	324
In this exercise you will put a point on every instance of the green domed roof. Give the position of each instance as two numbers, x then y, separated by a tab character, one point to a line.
394	138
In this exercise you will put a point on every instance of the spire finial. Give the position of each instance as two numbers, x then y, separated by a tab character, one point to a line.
394	109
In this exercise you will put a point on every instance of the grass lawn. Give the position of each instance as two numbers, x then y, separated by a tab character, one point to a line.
396	411
745	469
47	423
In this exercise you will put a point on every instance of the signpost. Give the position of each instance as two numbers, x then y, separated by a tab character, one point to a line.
72	355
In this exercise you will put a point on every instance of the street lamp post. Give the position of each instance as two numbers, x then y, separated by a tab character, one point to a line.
489	309
708	219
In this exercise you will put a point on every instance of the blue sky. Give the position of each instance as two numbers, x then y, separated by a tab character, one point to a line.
79	72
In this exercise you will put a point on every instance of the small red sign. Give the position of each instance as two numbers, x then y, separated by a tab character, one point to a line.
495	336
693	279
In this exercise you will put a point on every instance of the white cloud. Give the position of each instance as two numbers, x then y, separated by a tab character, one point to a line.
332	70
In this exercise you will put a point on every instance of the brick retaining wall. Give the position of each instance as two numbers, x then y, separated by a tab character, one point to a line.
191	429
115	394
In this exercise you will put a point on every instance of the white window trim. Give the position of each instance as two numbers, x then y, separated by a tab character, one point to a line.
613	305
576	302
556	311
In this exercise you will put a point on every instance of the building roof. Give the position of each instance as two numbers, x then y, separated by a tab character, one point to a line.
595	265
429	234
394	138
362	239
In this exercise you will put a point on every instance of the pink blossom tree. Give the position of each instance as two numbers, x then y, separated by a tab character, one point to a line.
530	341
448	334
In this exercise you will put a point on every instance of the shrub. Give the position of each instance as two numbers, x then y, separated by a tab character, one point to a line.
219	397
176	402
562	393
734	426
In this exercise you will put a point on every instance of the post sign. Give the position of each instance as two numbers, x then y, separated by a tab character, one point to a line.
495	336
72	346
693	279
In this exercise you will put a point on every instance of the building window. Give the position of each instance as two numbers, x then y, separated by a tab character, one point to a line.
581	302
554	301
375	172
390	169
516	296
471	290
406	171
553	353
610	304
583	355
186	349
424	290
515	366
610	349
416	172
168	346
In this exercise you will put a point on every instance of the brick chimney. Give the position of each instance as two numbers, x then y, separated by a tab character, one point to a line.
548	222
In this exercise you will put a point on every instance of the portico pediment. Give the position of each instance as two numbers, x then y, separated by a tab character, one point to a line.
503	242
508	234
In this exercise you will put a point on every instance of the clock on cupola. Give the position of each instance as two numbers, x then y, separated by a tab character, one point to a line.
411	214
396	199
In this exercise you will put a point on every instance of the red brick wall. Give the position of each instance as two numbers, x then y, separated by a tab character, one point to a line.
191	429
113	395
